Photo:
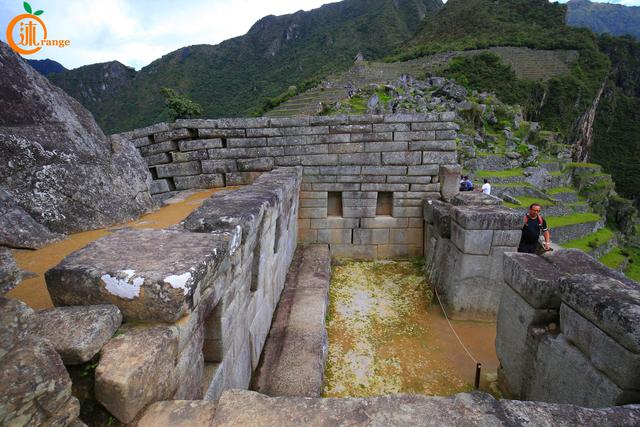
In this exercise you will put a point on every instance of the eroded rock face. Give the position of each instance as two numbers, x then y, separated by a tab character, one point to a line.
58	172
10	274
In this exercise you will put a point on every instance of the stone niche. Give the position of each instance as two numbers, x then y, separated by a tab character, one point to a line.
364	177
465	241
196	300
568	331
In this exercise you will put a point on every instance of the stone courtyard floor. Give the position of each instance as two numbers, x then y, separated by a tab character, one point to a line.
387	336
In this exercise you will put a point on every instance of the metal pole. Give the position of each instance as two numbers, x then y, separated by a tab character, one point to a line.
478	368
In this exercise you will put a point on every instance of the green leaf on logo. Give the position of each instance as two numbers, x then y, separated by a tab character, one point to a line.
38	12
27	7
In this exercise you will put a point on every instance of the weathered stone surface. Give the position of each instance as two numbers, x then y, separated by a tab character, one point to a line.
35	388
620	364
57	165
475	198
533	279
610	304
237	407
486	218
475	242
15	317
135	369
179	413
124	269
77	333
449	177
294	354
10	274
199	181
575	261
18	229
438	213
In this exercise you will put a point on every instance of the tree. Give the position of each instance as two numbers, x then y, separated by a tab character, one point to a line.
180	107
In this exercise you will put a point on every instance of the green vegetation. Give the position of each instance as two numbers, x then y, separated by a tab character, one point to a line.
578	218
605	17
591	241
180	107
239	75
528	201
272	103
558	190
574	165
613	259
499	174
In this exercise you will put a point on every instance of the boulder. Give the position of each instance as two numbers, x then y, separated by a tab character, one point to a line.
14	322
35	388
77	333
10	274
179	413
59	174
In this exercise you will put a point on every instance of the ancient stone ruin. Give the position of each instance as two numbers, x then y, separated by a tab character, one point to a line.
175	326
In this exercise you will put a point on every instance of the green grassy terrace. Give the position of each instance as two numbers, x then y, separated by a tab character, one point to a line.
558	190
499	174
579	218
591	241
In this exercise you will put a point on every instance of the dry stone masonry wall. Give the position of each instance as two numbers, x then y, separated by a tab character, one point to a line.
568	331
195	302
364	177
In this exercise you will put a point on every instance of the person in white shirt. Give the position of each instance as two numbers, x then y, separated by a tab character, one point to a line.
486	187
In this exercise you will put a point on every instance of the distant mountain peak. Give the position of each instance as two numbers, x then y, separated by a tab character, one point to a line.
46	66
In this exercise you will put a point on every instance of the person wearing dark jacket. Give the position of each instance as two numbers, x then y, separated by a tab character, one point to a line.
534	226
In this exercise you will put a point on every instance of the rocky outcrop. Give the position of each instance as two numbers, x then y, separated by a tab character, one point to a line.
58	172
10	274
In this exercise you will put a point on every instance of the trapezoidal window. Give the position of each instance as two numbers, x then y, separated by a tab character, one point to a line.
212	348
334	203
384	204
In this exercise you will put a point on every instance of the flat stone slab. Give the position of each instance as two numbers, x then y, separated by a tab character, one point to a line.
238	407
151	275
179	413
575	261
294	354
77	333
486	218
534	279
610	304
475	198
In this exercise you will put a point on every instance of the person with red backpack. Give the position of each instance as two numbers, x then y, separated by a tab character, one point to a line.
534	226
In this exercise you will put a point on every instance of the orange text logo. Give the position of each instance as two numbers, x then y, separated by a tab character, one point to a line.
27	34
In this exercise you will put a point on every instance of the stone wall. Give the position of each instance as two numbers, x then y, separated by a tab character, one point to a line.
464	245
365	177
196	301
568	331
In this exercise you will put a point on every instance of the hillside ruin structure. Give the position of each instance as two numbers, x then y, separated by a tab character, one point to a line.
176	326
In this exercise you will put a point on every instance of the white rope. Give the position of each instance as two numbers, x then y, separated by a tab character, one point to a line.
451	326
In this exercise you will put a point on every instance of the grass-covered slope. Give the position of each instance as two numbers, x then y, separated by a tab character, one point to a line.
235	77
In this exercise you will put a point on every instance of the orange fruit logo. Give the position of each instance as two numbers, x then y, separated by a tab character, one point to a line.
27	33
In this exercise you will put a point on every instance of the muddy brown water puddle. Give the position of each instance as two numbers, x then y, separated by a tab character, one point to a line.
387	336
33	290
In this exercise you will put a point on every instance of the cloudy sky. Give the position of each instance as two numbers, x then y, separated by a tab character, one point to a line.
135	32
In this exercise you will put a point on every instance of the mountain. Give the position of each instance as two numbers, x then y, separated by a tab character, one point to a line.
237	76
614	19
46	66
94	84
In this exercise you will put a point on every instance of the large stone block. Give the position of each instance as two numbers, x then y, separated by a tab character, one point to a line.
354	251
384	222
135	369
15	317
35	388
219	166
402	158
449	177
178	169
398	251
179	413
439	157
475	242
575	261
200	144
610	304
334	236
179	156
258	165
125	269
77	333
486	218
10	274
620	364
199	181
371	159
533	279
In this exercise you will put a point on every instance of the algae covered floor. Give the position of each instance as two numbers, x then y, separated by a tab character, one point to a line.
386	336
